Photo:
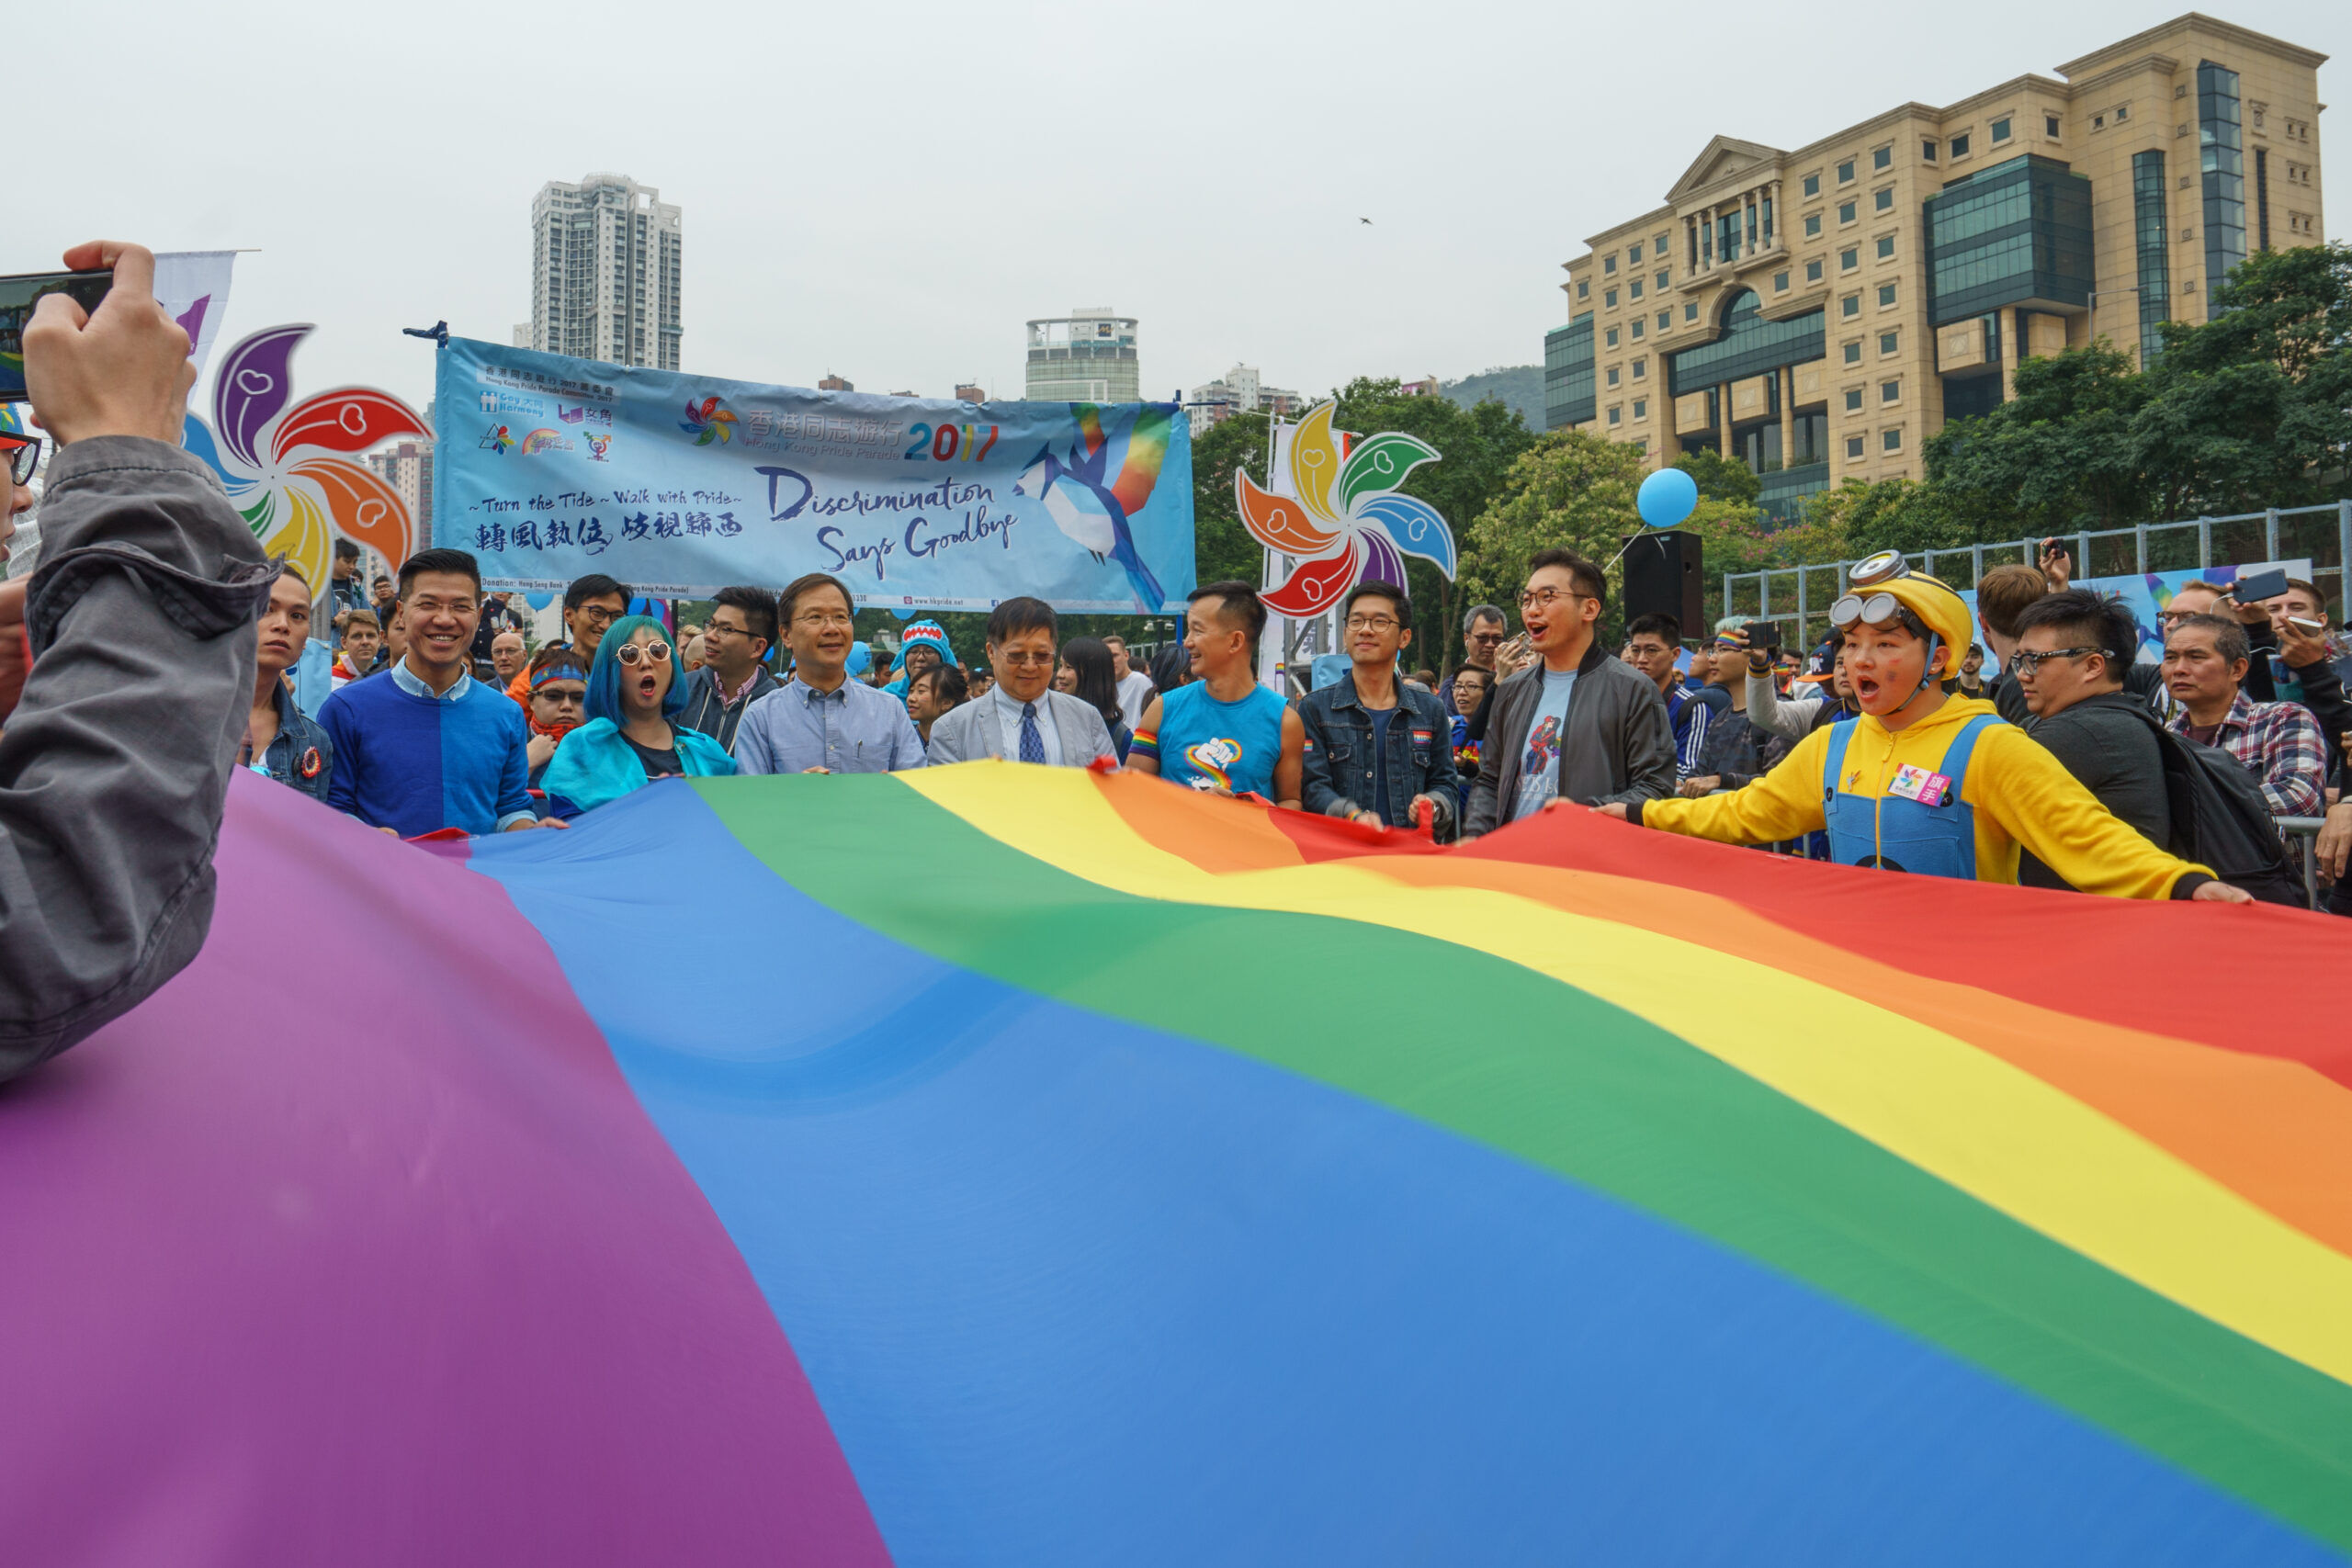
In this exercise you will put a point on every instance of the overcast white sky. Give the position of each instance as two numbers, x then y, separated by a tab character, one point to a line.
891	191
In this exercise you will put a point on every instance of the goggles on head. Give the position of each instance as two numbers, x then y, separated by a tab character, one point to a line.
1887	566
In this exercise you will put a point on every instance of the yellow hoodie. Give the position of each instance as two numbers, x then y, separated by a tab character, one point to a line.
2021	796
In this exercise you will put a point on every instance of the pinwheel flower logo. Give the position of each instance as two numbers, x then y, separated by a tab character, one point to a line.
705	420
289	467
1345	517
497	438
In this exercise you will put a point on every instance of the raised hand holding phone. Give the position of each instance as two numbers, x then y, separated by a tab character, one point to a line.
121	370
2057	566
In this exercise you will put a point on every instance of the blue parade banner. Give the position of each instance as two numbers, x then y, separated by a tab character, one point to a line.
549	468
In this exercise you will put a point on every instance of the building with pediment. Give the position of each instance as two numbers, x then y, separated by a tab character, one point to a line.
1821	312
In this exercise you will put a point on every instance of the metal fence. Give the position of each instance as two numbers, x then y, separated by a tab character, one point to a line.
2322	532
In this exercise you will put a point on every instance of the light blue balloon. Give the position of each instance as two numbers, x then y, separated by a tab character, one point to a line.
539	601
1667	497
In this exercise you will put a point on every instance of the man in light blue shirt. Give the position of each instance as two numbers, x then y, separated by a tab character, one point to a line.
822	721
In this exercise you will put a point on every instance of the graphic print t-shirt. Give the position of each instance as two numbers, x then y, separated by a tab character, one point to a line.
1539	756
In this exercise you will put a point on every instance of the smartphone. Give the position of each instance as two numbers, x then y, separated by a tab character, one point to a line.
2261	585
2314	628
1763	634
19	295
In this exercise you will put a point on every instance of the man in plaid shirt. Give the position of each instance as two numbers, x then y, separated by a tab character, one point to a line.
2279	743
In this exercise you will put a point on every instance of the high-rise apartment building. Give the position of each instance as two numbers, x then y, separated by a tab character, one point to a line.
1238	390
408	469
605	265
1086	357
1821	312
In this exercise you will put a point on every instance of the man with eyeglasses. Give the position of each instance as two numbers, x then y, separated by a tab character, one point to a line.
821	721
592	603
1023	718
1926	782
1377	750
734	674
2068	658
425	746
1575	725
1483	631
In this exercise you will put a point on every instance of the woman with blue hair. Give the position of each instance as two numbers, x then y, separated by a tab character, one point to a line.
631	736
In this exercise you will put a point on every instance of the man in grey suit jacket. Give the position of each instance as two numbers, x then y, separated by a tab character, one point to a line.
1021	718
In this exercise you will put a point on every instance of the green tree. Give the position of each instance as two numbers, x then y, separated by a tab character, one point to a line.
1222	548
1720	478
1858	519
1576	489
2060	456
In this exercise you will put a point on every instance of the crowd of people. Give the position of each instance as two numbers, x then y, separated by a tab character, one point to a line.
2082	765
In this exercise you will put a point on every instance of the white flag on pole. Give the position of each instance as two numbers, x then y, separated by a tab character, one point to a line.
193	286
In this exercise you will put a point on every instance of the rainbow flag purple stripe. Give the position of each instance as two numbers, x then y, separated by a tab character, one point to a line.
1012	1167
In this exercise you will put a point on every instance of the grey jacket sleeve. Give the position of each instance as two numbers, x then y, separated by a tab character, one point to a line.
115	765
1790	719
1648	736
947	737
1095	732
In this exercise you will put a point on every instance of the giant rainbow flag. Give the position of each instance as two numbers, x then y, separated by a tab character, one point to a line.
1009	1166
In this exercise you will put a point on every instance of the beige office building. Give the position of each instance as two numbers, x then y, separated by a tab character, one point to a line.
1821	312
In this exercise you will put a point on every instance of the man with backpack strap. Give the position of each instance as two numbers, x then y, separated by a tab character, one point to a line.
2070	655
1926	782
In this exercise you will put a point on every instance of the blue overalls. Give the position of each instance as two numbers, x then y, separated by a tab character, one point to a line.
1901	834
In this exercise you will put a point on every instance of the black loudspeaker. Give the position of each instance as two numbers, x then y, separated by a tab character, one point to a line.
1662	568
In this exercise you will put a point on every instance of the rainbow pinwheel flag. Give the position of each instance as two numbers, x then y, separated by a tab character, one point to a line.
1011	1165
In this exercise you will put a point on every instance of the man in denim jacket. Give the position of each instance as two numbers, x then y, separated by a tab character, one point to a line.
1378	748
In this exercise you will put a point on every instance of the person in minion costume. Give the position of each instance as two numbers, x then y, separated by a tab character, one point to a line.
1927	780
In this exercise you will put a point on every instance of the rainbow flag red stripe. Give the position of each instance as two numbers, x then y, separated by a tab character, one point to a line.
999	1164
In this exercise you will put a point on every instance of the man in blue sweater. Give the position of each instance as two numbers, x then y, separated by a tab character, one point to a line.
423	746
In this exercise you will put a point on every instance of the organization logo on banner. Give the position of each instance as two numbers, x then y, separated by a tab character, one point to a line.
707	421
496	439
580	413
495	402
540	440
597	446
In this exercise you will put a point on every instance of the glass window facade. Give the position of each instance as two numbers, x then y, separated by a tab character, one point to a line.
1853	354
1886	294
1853	399
2016	232
1608	298
1813	271
1727	232
1883	202
1612	337
1849	306
1568	374
1889	343
1965	397
1813	225
2148	229
1844	212
2222	156
1846	172
1848	259
1892	440
1750	347
1853	446
1889	391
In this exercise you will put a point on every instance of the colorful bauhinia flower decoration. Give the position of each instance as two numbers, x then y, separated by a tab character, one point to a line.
290	470
705	420
1346	518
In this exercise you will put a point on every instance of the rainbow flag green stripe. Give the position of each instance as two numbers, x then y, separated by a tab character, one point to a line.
1606	1097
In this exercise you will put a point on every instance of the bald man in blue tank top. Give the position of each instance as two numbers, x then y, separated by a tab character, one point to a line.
1223	731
